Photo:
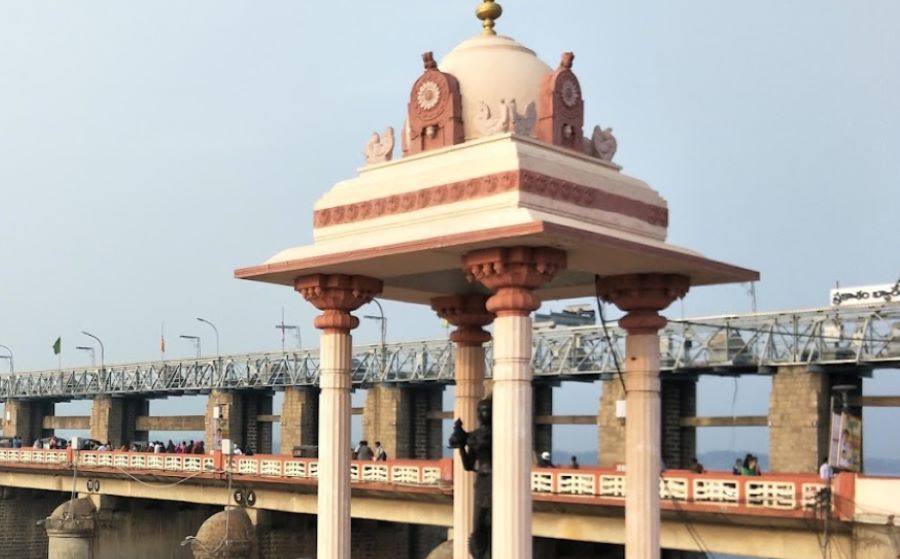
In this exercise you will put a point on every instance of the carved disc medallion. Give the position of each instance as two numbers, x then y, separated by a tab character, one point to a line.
569	91
428	95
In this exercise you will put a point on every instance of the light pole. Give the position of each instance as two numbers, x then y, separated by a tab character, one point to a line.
8	358
216	330
88	348
195	340
383	321
102	351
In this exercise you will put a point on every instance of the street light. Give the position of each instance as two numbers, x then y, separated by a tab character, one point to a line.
383	321
102	351
195	339
8	358
216	330
88	348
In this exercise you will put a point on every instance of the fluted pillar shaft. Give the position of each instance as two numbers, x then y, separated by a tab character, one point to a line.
336	295
469	315
512	273
642	296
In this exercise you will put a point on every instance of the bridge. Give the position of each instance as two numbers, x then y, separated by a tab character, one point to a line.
860	338
776	516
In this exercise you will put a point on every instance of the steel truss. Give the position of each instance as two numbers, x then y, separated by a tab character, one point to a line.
864	337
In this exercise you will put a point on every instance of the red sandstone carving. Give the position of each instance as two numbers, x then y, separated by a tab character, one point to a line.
507	181
561	107
642	296
513	273
337	295
434	112
468	314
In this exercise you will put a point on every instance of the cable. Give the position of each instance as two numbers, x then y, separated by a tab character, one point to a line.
688	525
612	349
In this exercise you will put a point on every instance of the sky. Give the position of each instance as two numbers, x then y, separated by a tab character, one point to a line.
149	149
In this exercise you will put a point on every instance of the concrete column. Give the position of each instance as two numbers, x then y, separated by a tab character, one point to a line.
469	315
336	295
543	406
299	418
610	428
115	419
70	529
679	400
24	418
642	296
513	274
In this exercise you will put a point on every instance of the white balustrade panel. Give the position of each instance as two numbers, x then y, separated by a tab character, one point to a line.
725	491
771	494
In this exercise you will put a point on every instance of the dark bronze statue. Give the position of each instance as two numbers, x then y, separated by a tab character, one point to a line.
475	452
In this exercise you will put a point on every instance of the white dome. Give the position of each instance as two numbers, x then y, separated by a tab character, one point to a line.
491	69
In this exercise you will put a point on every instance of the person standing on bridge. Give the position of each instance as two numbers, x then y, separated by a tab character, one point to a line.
380	453
363	451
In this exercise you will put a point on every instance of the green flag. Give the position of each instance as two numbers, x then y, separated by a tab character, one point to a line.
57	346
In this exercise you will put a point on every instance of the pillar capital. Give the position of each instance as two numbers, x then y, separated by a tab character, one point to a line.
337	295
642	296
468	314
513	273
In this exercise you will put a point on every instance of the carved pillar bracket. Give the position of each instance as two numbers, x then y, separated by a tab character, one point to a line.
642	296
512	273
469	314
337	295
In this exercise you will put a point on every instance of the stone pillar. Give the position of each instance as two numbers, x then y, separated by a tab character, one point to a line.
224	418
469	315
70	529
114	420
237	419
512	274
25	418
610	429
799	419
336	295
299	418
642	296
543	406
679	400
400	418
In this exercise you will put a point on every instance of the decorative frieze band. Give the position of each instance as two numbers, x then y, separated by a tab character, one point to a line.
489	185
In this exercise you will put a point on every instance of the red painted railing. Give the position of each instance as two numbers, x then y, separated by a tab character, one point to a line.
767	495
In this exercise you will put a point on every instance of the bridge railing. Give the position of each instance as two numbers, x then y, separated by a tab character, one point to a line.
794	495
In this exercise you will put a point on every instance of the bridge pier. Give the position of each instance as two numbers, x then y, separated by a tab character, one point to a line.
299	418
679	400
70	529
25	418
234	415
114	420
401	417
543	406
225	535
610	428
800	419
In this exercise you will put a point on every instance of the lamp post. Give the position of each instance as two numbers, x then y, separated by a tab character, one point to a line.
383	321
88	348
195	340
216	330
8	358
102	351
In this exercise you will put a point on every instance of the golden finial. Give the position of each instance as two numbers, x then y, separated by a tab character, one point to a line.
488	12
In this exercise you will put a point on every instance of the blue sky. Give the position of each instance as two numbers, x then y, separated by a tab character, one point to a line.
148	149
